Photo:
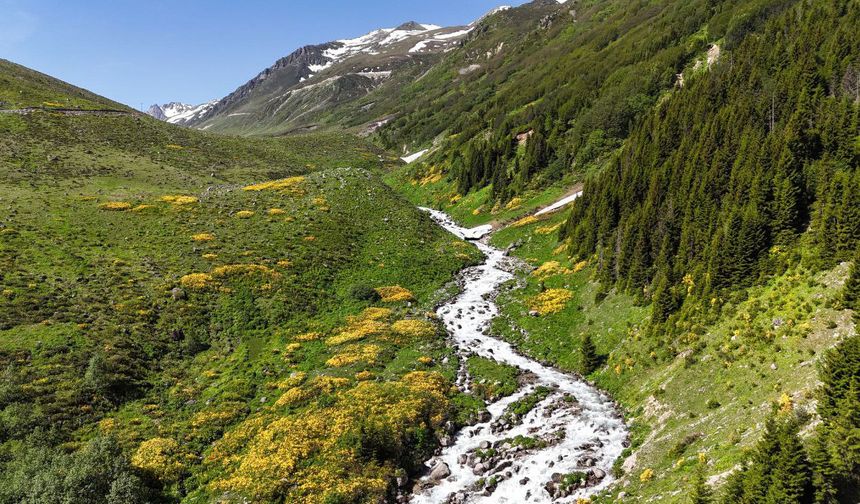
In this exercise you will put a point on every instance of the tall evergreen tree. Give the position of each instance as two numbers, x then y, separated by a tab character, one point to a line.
700	492
851	294
590	359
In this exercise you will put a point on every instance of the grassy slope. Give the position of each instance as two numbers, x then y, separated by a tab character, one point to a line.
81	282
22	87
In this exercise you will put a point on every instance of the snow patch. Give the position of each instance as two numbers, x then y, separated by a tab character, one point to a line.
412	157
559	204
440	38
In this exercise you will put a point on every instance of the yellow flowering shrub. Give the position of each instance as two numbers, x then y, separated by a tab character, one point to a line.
525	221
179	199
293	380
315	457
115	206
394	294
285	263
550	301
414	328
647	475
545	230
294	396
425	360
375	313
514	203
328	384
159	457
363	376
357	330
196	281
141	208
210	256
352	354
244	214
219	417
550	268
291	185
579	266
310	336
236	270
107	424
786	404
202	237
276	211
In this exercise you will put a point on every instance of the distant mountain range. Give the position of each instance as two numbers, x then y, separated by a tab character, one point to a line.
300	90
180	113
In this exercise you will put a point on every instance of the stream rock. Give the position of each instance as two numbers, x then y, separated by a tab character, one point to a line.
440	471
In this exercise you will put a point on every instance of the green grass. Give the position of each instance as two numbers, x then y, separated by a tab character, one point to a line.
21	87
101	336
491	380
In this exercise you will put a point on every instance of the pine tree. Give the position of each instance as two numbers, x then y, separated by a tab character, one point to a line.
700	492
665	301
851	294
824	475
791	479
590	359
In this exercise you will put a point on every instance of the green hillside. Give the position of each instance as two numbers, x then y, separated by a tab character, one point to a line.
172	301
22	87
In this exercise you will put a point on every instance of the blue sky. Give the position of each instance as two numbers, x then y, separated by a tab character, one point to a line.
154	51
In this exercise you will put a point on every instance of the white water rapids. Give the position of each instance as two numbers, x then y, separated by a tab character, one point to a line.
584	435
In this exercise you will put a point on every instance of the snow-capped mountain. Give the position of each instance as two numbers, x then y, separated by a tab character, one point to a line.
299	88
356	82
179	113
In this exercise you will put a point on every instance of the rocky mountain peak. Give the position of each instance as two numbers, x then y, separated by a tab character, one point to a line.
411	26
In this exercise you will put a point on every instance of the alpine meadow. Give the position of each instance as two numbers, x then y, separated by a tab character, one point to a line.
567	252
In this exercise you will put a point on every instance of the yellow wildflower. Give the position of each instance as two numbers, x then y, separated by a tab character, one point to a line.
203	237
196	281
414	328
179	199
394	293
525	221
159	457
289	185
550	268
311	336
550	301
115	206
